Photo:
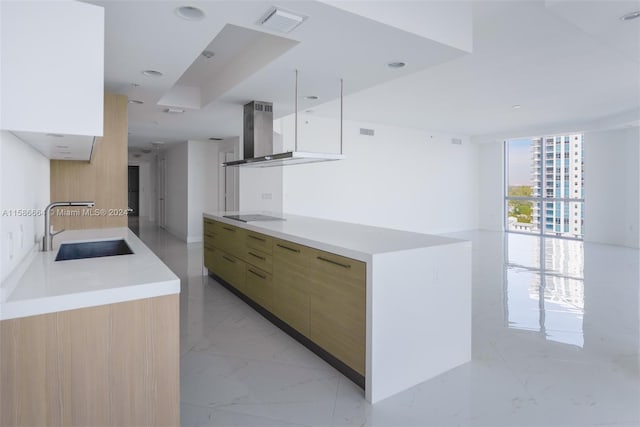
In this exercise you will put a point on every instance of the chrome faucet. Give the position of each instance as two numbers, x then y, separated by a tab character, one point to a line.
47	240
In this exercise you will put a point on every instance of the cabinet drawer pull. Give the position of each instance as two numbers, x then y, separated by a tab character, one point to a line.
210	235
229	229
334	262
288	248
257	238
258	274
257	256
229	259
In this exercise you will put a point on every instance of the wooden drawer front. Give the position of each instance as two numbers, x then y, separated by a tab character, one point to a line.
260	259
209	262
230	239
209	236
291	284
209	225
229	268
337	300
259	241
259	286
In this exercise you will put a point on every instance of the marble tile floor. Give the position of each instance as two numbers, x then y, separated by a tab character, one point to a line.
552	346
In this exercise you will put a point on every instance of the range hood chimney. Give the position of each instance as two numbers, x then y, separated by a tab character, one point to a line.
258	138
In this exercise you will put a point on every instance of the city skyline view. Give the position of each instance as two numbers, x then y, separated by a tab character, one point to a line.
545	185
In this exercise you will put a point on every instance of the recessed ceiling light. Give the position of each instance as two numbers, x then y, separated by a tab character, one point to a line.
396	64
215	138
157	143
62	146
68	158
135	101
173	111
208	54
152	73
310	97
190	13
630	16
278	19
65	152
55	135
516	107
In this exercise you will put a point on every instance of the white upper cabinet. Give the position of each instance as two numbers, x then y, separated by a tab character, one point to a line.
52	75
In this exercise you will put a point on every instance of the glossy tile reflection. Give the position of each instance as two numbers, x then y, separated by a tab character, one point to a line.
579	367
545	297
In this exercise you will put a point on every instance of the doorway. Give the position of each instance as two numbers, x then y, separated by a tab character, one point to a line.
134	190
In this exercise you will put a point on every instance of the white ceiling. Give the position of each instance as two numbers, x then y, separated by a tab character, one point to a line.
562	61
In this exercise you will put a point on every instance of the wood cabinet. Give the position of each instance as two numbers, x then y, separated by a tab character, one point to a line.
291	284
230	268
103	180
208	239
259	286
337	319
259	241
230	239
319	294
111	365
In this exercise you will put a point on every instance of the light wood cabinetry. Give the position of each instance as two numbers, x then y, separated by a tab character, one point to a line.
337	320
230	239
110	365
259	241
259	286
103	180
319	294
229	268
291	284
209	238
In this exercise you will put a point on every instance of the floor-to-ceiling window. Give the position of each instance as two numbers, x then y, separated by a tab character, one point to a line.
544	191
544	220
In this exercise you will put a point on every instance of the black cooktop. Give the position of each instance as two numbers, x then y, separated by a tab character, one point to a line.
249	218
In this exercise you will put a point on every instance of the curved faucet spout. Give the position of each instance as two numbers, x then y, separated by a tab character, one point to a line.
47	240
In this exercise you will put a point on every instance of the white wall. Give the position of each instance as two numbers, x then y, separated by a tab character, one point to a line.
203	171
261	189
24	184
400	178
491	186
176	200
143	185
612	187
192	187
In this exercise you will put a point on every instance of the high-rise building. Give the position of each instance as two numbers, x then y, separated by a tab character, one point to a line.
557	172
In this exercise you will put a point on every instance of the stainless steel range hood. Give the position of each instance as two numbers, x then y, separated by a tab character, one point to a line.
258	139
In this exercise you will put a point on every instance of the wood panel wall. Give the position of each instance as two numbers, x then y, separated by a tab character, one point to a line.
111	365
102	180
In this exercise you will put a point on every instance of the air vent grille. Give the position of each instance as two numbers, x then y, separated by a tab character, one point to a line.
367	132
456	141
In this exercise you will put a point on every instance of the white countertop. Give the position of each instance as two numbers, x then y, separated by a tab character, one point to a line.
42	285
352	240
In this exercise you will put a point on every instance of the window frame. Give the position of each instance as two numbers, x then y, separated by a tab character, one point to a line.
541	198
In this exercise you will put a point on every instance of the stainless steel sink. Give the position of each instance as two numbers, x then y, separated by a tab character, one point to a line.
97	249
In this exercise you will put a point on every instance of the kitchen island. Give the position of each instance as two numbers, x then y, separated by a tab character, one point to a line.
388	308
90	341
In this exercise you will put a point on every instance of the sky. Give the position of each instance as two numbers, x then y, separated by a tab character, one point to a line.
519	162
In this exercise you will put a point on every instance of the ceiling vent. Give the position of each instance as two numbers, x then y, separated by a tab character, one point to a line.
367	132
281	20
